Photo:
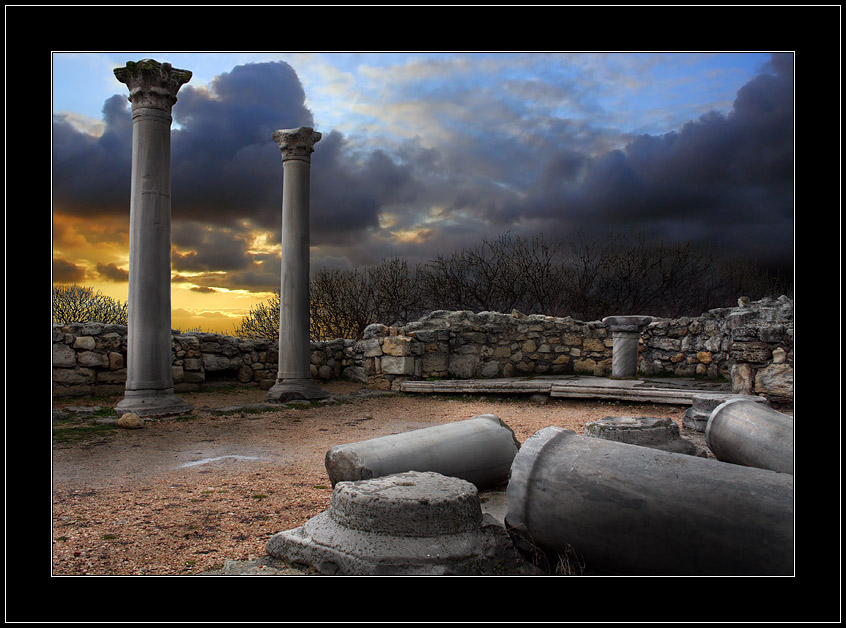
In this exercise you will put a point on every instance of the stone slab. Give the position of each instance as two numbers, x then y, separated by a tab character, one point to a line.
676	392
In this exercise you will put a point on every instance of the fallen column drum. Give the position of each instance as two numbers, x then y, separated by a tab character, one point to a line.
631	510
751	434
479	450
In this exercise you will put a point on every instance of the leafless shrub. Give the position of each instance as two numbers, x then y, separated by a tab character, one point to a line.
262	322
80	304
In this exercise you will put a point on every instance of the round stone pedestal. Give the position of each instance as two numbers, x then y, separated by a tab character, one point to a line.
645	431
414	523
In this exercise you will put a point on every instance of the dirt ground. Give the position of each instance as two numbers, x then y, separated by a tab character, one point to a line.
184	495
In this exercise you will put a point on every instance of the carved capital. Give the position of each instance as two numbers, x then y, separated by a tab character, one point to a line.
152	84
297	143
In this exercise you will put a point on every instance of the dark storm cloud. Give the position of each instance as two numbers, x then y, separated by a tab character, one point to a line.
67	272
722	179
111	272
91	174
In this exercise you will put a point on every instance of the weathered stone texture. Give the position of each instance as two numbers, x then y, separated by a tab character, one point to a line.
730	343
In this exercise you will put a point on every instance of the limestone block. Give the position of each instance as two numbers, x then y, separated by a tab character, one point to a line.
666	344
775	380
705	357
214	362
490	369
192	364
593	344
130	421
63	355
115	360
750	351
369	347
92	359
435	362
112	377
245	374
463	366
84	342
742	379
397	365
73	376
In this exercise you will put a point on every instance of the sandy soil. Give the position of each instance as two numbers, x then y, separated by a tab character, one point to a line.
184	495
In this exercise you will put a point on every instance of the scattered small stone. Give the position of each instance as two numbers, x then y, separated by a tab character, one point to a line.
130	421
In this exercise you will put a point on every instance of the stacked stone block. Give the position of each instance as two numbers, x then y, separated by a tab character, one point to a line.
751	344
465	345
90	359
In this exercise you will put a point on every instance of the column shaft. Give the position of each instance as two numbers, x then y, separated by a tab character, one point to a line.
149	380
293	380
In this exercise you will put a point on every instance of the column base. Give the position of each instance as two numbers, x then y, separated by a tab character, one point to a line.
289	389
153	403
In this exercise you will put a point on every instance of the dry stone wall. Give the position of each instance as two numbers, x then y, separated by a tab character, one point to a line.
90	359
752	345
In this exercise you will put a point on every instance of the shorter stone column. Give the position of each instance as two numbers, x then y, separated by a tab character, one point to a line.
625	332
294	380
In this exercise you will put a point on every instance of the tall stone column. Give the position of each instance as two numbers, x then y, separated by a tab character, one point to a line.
149	380
294	381
625	334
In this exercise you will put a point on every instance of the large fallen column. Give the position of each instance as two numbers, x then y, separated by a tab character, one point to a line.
630	510
751	434
479	450
703	404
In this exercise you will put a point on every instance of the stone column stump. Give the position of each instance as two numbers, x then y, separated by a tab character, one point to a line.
625	332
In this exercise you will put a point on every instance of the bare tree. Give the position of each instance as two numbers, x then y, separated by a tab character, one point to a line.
262	323
79	304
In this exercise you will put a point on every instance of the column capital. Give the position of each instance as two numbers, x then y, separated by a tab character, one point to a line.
297	143
152	84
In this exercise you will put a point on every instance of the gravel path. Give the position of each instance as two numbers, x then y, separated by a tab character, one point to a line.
204	492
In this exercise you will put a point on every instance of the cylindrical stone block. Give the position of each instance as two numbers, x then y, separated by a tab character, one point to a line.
747	433
624	353
479	450
625	334
633	510
403	524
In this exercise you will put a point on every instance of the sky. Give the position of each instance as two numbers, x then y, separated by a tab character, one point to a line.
422	154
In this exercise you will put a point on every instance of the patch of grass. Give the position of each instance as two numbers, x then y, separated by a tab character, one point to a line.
65	433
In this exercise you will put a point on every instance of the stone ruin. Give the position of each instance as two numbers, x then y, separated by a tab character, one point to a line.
630	497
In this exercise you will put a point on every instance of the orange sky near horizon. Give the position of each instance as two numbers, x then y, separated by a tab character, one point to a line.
94	252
